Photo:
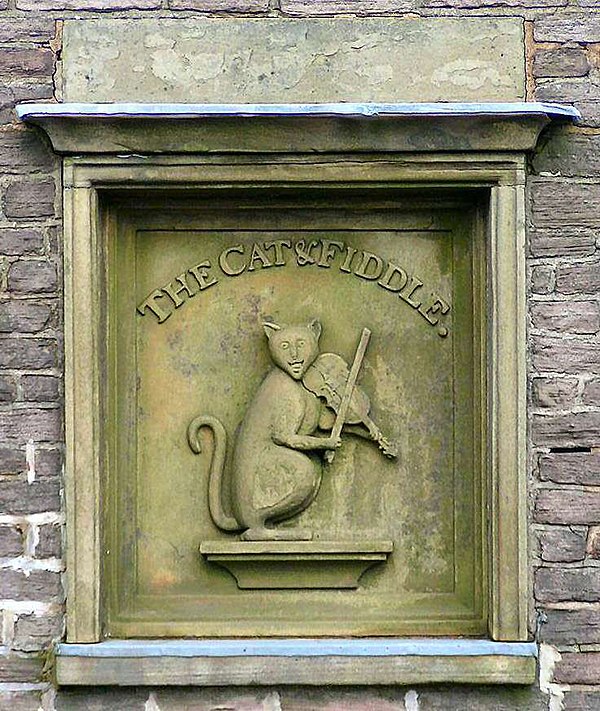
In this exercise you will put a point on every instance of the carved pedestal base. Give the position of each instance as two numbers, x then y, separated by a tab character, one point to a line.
296	564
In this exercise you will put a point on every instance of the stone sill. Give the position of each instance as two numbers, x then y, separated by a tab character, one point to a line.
311	662
73	128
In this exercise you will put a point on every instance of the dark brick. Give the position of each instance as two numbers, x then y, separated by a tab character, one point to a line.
21	90
567	584
20	242
39	585
578	669
581	699
23	316
581	317
553	392
246	6
477	4
567	507
12	461
29	199
571	468
574	429
11	542
565	355
562	545
581	626
560	62
576	27
542	280
561	243
593	543
582	92
20	497
48	463
23	150
26	62
569	153
27	353
581	278
37	425
33	632
18	668
49	543
30	276
31	29
8	389
39	388
41	5
561	205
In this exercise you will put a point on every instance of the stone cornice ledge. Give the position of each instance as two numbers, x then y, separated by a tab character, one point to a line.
75	128
296	661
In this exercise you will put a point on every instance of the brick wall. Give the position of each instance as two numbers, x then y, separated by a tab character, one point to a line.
563	47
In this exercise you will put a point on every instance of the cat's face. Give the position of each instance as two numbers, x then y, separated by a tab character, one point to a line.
293	348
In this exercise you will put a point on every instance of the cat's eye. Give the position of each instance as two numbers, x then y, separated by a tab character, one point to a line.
300	343
285	345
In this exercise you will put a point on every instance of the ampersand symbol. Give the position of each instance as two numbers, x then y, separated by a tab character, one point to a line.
303	252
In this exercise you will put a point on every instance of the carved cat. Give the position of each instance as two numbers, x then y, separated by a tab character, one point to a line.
275	474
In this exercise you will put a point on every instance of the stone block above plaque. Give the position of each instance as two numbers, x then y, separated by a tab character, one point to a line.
275	60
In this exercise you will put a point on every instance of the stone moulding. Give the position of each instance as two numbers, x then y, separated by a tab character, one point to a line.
162	147
192	128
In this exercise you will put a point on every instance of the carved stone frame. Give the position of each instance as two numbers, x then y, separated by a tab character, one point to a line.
500	172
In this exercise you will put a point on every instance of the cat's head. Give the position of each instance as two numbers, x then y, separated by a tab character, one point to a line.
293	348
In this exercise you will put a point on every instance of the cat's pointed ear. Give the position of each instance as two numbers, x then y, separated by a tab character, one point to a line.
315	327
270	328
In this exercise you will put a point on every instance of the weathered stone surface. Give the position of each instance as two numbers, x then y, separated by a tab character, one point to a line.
567	584
8	389
31	276
20	497
40	388
11	542
294	60
553	392
29	199
571	468
580	626
12	461
581	700
246	6
591	393
49	542
48	463
567	507
578	669
23	316
35	632
13	90
575	429
27	353
26	62
562	544
110	699
542	280
334	7
23	150
560	204
26	30
569	356
20	700
571	317
561	243
582	92
41	5
593	543
38	425
477	4
575	26
19	668
20	241
581	278
560	62
40	585
569	153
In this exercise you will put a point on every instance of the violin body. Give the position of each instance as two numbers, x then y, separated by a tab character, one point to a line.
326	378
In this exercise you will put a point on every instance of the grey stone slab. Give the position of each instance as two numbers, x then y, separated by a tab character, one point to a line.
275	60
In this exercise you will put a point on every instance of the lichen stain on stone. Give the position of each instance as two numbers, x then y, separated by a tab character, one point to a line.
470	73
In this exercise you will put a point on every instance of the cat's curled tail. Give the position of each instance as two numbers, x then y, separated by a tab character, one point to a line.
217	465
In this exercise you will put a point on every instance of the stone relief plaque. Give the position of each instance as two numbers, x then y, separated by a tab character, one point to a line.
298	440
